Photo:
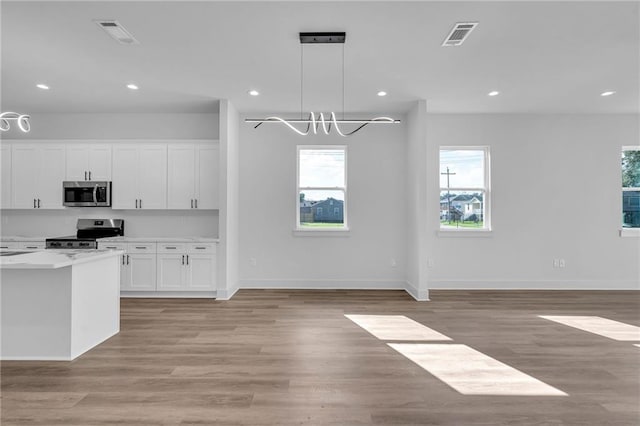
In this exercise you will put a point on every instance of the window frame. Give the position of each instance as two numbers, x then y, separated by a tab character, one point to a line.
627	232
487	228
301	230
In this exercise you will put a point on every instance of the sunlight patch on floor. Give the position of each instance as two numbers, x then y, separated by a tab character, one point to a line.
396	327
473	373
600	326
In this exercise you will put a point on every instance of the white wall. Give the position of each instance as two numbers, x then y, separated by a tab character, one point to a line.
376	212
416	172
229	201
112	127
565	169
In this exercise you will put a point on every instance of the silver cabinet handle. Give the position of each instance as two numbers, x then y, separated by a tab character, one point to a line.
89	175
170	248
187	259
141	247
38	202
183	259
196	203
127	259
140	202
31	247
34	203
192	203
136	203
123	259
85	175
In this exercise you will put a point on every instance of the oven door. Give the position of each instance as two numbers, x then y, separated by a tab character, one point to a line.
86	194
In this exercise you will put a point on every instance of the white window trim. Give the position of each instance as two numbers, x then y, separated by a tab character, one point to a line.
468	232
320	232
628	232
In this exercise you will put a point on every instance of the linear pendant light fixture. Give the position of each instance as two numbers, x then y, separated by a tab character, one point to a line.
319	121
21	119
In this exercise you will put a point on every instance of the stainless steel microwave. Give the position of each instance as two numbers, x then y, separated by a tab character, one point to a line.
86	194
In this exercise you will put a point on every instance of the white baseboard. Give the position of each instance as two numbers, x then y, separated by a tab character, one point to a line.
298	284
169	294
226	294
420	296
534	285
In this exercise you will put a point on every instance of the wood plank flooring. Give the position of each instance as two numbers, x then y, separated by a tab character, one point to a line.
281	357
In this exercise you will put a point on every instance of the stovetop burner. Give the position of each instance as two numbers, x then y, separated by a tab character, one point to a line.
89	231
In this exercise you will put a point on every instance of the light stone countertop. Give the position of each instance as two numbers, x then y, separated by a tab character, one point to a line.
52	259
126	239
16	238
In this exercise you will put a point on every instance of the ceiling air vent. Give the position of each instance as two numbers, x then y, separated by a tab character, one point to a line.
459	33
116	31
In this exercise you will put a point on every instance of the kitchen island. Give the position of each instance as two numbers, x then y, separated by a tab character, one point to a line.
57	304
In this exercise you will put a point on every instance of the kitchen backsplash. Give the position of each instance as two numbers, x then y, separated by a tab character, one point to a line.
147	223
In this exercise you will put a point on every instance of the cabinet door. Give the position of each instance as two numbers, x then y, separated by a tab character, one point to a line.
201	272
99	162
171	272
51	176
5	176
77	162
25	165
125	273
181	173
152	176
207	175
143	272
124	187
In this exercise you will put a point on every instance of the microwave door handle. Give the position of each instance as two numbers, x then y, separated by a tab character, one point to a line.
95	194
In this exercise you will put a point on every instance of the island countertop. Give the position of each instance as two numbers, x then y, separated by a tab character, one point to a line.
52	259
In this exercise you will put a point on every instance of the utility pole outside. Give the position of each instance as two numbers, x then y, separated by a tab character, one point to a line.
448	173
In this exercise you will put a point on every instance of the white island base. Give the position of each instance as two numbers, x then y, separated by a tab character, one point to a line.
58	309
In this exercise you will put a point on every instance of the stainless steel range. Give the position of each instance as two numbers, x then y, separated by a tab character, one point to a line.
89	231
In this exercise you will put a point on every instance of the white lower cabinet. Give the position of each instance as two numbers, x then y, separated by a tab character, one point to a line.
139	273
186	267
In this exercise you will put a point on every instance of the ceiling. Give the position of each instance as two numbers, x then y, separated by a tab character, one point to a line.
543	57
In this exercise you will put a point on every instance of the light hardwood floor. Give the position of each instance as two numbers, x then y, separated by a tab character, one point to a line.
279	357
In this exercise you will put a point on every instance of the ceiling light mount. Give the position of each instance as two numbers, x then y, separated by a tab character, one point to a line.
21	119
319	121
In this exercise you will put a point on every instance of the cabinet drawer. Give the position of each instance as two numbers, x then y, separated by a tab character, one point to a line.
112	246
141	248
31	245
9	245
172	247
202	248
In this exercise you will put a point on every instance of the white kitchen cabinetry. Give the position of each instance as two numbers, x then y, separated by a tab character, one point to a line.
5	176
137	265
88	162
37	171
139	176
186	267
193	171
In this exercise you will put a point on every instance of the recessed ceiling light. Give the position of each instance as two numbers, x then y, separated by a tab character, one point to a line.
132	86
382	93
42	86
607	93
253	92
494	93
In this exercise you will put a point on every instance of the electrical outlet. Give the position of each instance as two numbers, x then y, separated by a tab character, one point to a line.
561	263
253	261
430	263
394	263
556	263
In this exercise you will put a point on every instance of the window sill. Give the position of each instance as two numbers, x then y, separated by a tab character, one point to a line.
465	233
301	232
630	232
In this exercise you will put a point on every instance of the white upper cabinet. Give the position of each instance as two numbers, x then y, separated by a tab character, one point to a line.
88	162
5	176
139	176
193	176
38	171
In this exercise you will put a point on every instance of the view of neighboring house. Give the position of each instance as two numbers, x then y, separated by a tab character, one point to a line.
328	211
306	212
461	207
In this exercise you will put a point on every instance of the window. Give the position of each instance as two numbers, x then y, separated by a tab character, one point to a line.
631	187
464	188
322	184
